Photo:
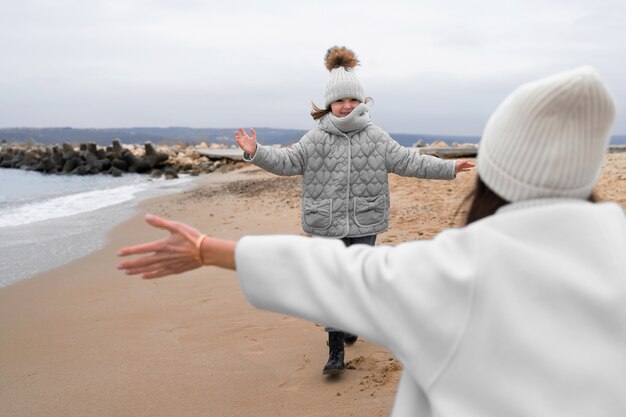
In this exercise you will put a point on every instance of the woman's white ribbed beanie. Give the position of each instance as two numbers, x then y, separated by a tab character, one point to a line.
343	83
548	138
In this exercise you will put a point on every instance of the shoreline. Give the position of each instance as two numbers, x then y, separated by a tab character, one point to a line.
40	247
54	238
85	339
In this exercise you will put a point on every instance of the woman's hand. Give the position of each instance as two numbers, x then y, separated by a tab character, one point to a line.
185	249
247	143
463	166
172	255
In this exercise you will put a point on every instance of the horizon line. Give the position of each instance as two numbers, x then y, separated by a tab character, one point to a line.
230	128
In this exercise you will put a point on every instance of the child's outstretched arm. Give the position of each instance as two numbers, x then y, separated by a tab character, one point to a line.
462	165
246	142
280	161
410	163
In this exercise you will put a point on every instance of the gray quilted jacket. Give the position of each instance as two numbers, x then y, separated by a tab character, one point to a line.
344	165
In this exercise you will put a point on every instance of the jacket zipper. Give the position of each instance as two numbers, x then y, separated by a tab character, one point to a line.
348	189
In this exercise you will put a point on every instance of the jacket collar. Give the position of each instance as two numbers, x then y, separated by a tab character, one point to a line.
537	202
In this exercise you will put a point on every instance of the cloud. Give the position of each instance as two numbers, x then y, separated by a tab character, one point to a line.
440	66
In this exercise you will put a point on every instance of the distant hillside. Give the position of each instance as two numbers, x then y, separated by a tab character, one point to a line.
51	136
186	135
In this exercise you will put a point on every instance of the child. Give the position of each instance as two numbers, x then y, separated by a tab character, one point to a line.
344	163
520	313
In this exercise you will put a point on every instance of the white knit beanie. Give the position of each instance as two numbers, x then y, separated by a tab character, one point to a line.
548	138
343	83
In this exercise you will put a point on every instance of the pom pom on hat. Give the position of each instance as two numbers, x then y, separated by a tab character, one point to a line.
340	56
548	138
343	83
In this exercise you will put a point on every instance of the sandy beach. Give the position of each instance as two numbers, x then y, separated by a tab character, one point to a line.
86	340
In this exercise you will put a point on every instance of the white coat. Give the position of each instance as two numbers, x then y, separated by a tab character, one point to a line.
520	314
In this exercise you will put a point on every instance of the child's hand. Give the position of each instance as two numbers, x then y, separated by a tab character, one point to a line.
463	166
247	143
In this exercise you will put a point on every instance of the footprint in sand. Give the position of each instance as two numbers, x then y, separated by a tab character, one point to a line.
295	378
253	345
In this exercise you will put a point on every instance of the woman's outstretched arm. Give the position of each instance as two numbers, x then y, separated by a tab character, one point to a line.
183	250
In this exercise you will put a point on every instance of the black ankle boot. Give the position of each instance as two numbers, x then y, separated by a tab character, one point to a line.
349	338
335	363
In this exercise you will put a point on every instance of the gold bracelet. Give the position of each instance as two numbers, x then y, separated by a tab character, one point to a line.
199	242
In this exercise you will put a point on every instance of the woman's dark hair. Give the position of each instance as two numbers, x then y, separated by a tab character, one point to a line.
318	113
485	202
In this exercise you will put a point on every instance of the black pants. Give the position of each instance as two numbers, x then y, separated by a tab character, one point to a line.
348	241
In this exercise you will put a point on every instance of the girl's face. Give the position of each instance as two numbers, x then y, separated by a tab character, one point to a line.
343	107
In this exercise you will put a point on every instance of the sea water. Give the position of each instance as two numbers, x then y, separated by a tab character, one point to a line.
49	220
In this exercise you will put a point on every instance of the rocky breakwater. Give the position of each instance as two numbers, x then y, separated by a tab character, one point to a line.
117	159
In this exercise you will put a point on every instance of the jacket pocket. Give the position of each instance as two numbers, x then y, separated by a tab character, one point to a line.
370	211
317	214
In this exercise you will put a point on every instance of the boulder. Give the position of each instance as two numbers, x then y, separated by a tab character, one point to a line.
70	165
170	173
439	144
119	164
154	158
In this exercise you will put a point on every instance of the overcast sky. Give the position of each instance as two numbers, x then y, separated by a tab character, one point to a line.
432	67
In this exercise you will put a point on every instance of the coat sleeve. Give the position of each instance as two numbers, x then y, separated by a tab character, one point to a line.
280	161
408	162
410	298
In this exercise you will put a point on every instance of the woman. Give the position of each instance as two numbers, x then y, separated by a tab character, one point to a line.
520	313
